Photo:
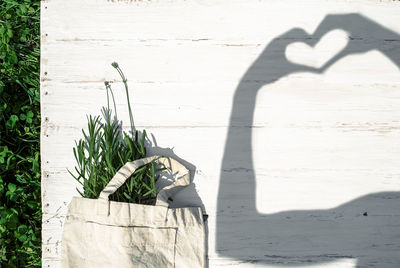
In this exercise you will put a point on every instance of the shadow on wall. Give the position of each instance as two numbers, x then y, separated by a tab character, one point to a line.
303	237
166	177
188	197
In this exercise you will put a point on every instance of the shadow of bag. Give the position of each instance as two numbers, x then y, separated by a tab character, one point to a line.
102	233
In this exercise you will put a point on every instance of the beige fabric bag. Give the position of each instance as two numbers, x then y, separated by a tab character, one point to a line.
102	233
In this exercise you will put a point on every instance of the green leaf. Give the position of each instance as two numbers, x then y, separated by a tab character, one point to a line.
31	204
22	229
127	196
22	238
13	58
9	33
12	121
22	8
12	221
12	187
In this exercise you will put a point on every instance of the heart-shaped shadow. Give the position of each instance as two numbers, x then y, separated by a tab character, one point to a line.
298	237
317	56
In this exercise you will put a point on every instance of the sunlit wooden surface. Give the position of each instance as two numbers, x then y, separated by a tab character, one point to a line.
319	140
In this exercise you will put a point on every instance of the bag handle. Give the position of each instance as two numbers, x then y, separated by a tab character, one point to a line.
129	168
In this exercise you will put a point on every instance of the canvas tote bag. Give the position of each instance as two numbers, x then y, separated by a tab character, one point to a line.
101	233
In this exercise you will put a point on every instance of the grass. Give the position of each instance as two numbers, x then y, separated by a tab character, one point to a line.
20	197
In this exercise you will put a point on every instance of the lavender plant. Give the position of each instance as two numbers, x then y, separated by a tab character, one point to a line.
105	148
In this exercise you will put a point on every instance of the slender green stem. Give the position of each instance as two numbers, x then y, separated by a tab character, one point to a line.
124	80
107	84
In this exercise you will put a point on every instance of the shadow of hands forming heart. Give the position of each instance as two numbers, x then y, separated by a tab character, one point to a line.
363	35
242	232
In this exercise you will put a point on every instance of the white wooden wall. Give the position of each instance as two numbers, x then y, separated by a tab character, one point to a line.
319	140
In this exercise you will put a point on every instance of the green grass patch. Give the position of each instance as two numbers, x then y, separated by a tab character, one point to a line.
20	197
